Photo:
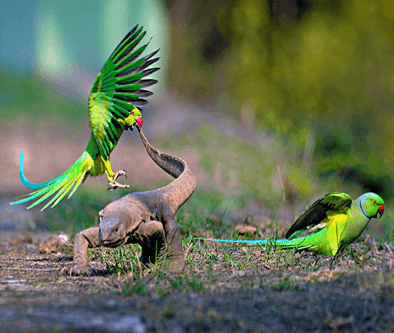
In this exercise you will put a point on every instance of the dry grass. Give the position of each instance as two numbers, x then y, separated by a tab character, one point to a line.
223	288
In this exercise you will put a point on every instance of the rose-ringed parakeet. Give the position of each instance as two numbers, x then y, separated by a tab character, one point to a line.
114	102
340	220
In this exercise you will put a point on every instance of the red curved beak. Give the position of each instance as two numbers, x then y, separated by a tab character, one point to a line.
381	210
139	122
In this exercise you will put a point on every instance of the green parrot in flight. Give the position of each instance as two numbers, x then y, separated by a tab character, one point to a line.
336	219
114	102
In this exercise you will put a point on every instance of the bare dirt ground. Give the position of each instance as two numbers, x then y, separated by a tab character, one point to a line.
38	294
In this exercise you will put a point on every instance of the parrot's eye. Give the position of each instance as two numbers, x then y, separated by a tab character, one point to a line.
374	202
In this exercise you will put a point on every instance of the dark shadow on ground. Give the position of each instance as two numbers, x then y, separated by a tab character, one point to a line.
340	305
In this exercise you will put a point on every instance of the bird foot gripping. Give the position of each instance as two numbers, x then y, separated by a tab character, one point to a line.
114	184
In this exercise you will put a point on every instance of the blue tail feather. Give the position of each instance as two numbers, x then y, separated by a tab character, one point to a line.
237	241
281	243
28	184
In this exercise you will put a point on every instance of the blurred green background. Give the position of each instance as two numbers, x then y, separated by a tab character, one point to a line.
278	102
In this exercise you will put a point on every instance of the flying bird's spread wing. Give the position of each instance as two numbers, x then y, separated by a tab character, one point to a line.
118	89
321	212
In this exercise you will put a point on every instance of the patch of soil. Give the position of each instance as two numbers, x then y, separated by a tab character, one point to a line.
38	295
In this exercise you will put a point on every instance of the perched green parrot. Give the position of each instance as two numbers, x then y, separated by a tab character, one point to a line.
340	220
116	95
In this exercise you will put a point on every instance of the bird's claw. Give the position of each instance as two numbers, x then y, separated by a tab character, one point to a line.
120	173
114	184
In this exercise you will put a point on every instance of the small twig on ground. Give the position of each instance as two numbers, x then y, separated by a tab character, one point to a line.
388	247
188	249
374	245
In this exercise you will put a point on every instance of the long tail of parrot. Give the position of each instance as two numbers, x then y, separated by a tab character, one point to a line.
302	243
58	187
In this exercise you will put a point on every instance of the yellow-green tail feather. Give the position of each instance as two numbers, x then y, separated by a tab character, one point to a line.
56	189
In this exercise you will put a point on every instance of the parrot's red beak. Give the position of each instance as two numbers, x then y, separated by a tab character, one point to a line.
139	122
380	211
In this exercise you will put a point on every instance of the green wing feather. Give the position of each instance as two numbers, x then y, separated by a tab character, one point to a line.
118	89
316	215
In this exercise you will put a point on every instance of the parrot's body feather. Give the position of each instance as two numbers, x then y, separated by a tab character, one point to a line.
113	104
341	221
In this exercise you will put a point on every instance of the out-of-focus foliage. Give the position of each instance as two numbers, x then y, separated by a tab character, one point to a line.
242	171
30	98
318	73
